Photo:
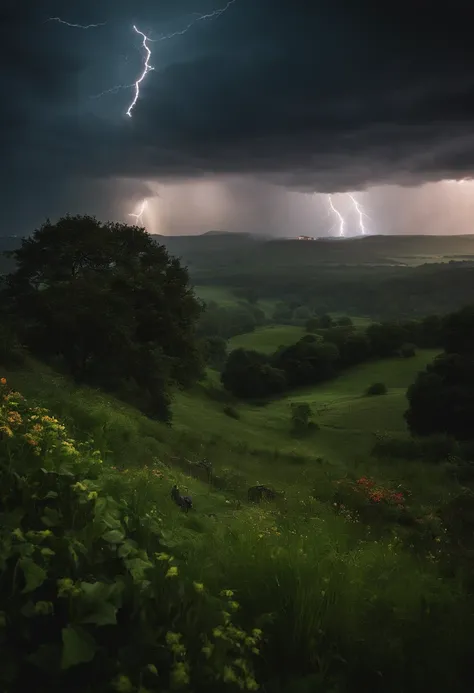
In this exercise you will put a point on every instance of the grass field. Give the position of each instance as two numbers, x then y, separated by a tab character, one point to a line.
253	444
226	297
323	589
267	339
348	421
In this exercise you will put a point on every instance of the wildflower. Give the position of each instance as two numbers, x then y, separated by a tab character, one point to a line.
199	587
234	606
162	557
172	638
122	684
179	675
172	572
152	669
7	430
227	593
14	418
92	495
43	608
257	633
251	684
65	587
79	487
229	675
18	534
3	381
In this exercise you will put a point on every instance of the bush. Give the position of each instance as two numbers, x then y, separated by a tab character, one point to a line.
87	606
376	389
231	411
301	419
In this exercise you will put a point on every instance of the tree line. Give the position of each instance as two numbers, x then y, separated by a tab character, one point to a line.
322	354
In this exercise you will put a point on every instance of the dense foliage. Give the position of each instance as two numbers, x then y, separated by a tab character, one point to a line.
91	597
441	400
109	305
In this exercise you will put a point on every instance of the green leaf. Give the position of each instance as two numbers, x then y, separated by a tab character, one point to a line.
51	494
78	647
105	614
115	536
128	547
100	602
138	568
34	574
51	517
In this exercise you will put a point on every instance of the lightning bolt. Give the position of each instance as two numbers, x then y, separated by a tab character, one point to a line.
146	69
339	216
210	15
139	216
75	26
360	212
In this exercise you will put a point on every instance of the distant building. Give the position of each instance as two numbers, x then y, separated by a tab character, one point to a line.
305	238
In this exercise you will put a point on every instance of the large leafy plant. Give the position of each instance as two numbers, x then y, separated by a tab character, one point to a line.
83	607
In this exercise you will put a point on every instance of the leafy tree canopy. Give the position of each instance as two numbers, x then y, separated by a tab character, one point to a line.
110	304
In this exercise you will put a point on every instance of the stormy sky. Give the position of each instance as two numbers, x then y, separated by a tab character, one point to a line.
247	120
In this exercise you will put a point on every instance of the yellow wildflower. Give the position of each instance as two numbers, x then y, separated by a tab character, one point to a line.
3	381
172	572
43	608
226	593
7	430
199	587
122	684
179	675
162	557
229	675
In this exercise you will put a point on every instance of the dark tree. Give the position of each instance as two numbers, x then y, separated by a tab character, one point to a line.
215	351
385	338
441	400
354	349
306	363
344	321
458	332
325	321
248	374
110	304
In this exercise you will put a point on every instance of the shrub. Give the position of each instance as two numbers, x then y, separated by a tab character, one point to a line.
231	411
87	607
376	389
301	414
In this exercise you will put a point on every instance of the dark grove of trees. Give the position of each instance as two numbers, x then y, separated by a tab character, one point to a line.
321	356
441	400
108	305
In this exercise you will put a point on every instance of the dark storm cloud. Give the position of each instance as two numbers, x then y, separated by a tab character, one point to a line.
321	96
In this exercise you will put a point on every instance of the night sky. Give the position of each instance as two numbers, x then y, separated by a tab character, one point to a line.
246	119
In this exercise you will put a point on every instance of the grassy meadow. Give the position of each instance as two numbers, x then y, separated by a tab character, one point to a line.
341	609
